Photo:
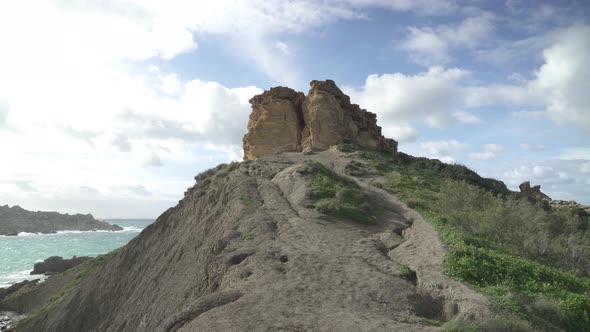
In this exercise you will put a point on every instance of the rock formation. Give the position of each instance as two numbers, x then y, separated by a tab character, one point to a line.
56	264
14	220
532	192
13	288
284	120
243	251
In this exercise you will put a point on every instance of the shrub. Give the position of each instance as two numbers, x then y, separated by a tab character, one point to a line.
336	195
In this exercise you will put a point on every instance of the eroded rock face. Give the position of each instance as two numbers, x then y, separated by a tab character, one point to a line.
56	264
284	120
275	123
533	192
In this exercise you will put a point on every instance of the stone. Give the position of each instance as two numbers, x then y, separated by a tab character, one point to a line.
56	264
533	192
283	120
275	123
4	292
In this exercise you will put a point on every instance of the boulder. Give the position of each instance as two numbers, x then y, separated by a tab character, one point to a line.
283	120
56	264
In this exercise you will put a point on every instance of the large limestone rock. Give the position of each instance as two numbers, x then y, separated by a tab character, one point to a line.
284	120
275	123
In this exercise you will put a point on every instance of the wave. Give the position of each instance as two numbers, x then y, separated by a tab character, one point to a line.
7	280
130	229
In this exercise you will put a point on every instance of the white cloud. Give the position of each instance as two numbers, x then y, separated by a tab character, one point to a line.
402	133
490	151
465	117
427	7
563	79
442	148
426	46
575	153
432	97
493	148
284	48
4	108
431	46
560	179
170	83
486	155
533	146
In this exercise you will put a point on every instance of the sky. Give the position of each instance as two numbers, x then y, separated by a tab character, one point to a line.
111	107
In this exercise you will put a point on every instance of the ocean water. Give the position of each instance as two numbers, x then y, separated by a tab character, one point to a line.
19	253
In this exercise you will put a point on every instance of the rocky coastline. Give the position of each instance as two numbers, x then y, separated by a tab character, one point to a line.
15	220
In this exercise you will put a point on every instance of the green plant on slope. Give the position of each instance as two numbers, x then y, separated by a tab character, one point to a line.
511	249
336	195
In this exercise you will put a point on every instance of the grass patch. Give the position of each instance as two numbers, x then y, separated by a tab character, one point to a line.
248	201
531	260
408	274
336	195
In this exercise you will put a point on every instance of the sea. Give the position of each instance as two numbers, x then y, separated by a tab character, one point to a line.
19	253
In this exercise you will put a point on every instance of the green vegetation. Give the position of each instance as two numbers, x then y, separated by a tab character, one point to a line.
248	201
408	274
531	260
336	195
82	272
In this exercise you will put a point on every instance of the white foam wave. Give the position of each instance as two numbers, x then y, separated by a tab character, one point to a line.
7	280
130	229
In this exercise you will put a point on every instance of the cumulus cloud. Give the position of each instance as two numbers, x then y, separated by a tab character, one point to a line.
443	150
563	79
431	46
426	46
170	83
490	151
403	133
432	97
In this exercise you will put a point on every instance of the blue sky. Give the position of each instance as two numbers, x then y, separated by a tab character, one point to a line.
111	107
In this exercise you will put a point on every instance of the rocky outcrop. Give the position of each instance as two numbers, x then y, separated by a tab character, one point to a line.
534	192
14	220
283	120
56	264
275	123
4	292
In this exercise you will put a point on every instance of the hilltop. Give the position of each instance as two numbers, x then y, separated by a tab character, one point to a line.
331	228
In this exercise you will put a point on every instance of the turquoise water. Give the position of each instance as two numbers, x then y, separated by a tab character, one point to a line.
19	253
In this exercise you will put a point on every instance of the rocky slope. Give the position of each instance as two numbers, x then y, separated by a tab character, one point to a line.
283	241
284	120
243	251
14	220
